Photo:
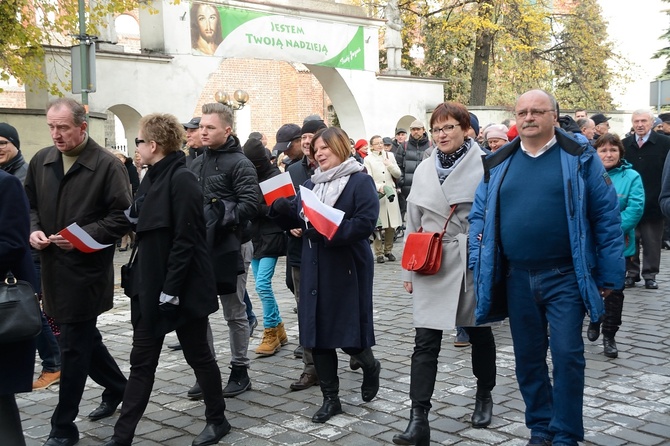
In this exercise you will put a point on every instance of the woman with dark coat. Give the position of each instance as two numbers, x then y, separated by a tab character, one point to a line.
172	286
269	242
18	358
336	274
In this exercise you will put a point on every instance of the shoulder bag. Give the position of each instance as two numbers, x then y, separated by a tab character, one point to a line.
20	314
127	279
423	250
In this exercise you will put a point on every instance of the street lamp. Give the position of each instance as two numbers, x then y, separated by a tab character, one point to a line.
237	102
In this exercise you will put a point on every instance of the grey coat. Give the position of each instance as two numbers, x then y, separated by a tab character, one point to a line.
446	299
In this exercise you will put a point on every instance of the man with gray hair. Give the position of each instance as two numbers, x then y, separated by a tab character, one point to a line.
77	181
230	188
647	151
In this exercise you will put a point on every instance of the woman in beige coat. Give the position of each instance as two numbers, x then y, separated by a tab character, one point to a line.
446	300
382	166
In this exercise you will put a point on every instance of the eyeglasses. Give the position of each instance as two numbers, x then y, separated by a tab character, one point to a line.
445	129
138	141
521	114
3	144
378	143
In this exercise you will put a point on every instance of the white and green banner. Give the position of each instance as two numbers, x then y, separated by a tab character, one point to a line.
250	34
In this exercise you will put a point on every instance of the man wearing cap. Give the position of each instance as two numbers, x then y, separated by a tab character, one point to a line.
301	172
399	142
193	143
602	125
288	145
665	122
11	159
388	143
646	151
411	153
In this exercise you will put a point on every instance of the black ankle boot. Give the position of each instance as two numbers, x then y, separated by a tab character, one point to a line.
481	417
331	406
609	347
418	430
371	370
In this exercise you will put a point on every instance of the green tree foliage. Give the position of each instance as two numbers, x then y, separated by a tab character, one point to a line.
664	53
488	51
26	26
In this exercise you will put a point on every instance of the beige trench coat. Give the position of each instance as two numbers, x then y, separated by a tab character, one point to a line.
446	299
389	212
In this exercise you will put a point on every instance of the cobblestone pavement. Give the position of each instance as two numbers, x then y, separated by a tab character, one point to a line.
627	400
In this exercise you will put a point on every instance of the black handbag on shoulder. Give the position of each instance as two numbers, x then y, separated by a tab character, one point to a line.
20	314
127	280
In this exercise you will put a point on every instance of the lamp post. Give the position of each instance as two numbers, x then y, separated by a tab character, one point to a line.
236	102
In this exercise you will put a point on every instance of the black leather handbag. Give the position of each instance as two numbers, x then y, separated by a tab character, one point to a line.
20	314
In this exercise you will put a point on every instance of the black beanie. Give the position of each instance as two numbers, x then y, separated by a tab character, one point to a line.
312	126
254	150
9	132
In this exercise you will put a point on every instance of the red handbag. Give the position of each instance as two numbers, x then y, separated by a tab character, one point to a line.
423	250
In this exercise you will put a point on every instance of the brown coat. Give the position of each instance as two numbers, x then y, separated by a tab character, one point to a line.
94	193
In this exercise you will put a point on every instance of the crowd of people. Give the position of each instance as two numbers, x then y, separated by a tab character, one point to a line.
199	220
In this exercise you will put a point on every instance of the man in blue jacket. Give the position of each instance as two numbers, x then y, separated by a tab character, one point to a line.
546	246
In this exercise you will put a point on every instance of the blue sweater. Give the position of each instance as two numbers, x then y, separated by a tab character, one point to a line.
534	226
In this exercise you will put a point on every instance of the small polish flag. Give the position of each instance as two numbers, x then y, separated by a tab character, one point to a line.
80	239
277	187
324	218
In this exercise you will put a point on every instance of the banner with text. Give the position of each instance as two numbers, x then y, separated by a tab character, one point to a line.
231	32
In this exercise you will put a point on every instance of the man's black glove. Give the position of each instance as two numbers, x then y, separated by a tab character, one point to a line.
281	206
313	235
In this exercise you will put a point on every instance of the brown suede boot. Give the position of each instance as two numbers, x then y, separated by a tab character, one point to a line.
281	334
270	343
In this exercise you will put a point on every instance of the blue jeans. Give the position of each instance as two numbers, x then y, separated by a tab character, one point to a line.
47	347
537	298
263	270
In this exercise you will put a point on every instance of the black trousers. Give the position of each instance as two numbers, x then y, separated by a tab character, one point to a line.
11	432
648	234
613	310
427	345
83	354
143	362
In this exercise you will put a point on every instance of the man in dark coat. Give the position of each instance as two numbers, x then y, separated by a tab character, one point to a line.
11	159
77	181
227	176
646	151
411	154
193	144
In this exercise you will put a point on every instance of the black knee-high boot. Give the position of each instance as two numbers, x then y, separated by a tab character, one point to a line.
325	363
371	370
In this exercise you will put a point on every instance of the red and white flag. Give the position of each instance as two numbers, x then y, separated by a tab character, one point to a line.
324	218
277	187
80	239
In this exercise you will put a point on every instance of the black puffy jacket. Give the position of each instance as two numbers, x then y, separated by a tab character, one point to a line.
408	157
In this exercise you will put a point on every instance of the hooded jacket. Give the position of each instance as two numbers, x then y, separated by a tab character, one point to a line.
630	192
594	225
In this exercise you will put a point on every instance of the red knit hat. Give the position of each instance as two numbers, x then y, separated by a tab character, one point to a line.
513	132
360	143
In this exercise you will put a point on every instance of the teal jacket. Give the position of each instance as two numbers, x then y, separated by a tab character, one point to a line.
594	224
630	191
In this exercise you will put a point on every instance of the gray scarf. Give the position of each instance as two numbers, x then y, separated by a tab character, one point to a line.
328	185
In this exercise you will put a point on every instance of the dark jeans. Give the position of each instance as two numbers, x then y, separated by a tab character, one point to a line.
250	310
649	234
427	345
613	310
538	298
83	354
47	347
143	362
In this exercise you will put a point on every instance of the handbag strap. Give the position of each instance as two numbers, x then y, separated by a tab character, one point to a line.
451	214
133	253
446	223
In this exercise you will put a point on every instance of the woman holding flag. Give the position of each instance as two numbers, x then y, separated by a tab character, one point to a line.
338	209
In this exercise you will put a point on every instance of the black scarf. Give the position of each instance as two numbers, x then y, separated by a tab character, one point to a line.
447	160
14	164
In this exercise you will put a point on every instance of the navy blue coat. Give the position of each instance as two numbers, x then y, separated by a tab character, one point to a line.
18	358
336	275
